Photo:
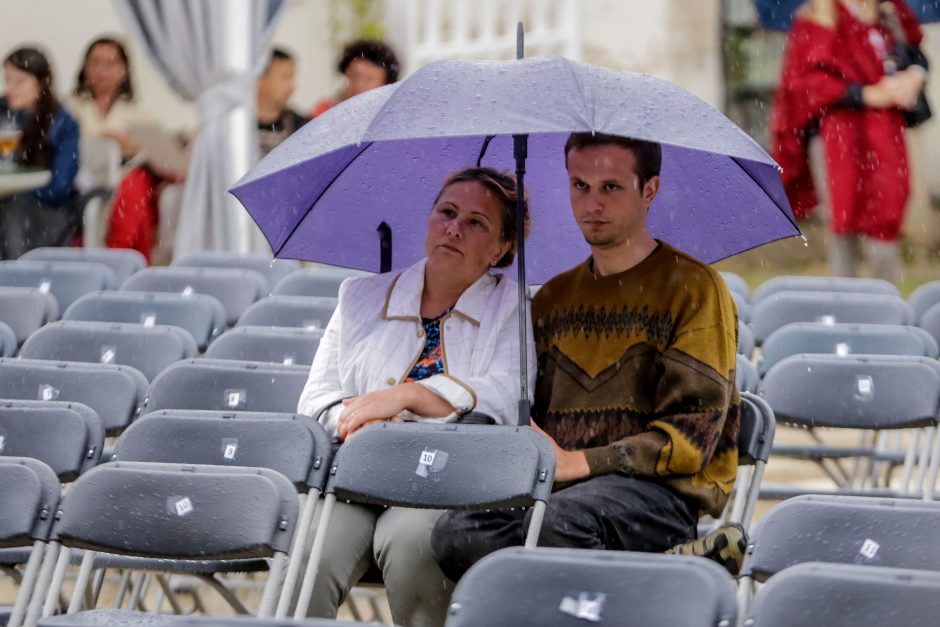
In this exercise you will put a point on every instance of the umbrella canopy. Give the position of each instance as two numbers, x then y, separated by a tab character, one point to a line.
381	157
778	14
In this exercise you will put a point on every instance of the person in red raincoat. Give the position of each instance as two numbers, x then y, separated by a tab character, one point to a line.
837	80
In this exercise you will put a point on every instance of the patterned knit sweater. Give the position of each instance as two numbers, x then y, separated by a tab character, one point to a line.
637	369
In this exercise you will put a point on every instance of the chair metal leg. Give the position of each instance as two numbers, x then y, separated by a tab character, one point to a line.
313	562
752	496
84	575
931	488
535	525
138	592
27	584
296	554
269	596
52	598
123	585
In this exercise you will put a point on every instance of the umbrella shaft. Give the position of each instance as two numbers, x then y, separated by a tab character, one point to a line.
520	150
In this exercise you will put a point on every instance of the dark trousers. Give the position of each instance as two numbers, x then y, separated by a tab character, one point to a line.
25	224
605	512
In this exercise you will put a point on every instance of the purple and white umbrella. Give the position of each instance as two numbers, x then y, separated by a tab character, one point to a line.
380	158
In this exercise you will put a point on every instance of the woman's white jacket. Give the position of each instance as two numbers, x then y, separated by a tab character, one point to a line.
375	337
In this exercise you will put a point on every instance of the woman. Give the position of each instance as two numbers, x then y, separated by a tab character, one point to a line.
103	102
434	341
365	64
44	217
839	78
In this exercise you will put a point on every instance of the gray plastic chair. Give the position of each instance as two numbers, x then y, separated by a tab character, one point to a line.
437	466
200	314
930	322
29	491
319	281
235	289
148	349
280	345
308	312
26	309
874	393
292	444
745	340
174	512
250	621
115	393
217	384
866	531
122	261
68	437
736	283
823	284
745	374
785	307
743	307
844	339
839	595
66	280
8	341
576	587
923	298
272	269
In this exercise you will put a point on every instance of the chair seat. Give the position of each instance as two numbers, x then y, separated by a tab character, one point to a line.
108	618
14	556
191	567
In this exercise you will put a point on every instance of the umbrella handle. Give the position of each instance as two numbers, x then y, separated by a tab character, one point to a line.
385	247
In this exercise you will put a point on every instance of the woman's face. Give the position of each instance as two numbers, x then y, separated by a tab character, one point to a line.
104	70
464	231
22	88
361	76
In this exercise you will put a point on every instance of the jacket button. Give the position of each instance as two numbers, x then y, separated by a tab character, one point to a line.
391	381
421	332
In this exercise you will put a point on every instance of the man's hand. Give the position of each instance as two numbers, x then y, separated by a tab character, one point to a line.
569	465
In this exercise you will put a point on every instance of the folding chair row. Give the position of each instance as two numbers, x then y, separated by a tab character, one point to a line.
745	340
321	281
875	393
235	289
736	284
65	281
201	315
149	349
743	306
307	312
844	339
122	261
25	309
845	285
930	322
8	341
273	270
923	298
283	345
745	374
115	393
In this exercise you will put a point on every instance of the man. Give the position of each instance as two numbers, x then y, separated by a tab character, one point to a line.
635	388
276	121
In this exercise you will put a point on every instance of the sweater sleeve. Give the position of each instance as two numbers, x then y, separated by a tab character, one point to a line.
64	165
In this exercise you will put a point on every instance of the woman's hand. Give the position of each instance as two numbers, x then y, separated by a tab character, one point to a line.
378	406
569	465
907	87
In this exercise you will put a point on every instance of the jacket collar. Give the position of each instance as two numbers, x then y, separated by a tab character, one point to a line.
403	301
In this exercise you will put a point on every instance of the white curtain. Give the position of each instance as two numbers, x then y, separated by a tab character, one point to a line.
211	52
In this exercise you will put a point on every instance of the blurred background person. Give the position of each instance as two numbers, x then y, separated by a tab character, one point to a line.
50	141
366	64
840	79
276	120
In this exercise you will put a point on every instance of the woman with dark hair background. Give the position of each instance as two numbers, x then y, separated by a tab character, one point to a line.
366	64
43	217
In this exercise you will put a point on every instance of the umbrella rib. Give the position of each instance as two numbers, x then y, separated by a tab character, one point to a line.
783	210
317	199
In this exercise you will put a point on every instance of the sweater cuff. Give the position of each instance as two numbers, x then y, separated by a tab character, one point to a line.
460	395
602	460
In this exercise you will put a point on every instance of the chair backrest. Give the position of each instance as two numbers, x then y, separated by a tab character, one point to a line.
575	587
784	307
319	281
26	309
200	314
844	339
823	284
236	289
115	393
745	374
900	533
148	349
923	298
736	283
272	269
308	312
224	385
743	306
854	392
122	261
930	322
8	341
66	280
179	512
756	432
29	491
68	437
745	340
292	444
280	345
444	466
839	595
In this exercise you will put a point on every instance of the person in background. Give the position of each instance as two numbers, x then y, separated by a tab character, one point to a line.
840	80
50	136
276	121
366	64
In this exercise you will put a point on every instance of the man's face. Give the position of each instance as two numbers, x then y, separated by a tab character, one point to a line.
608	204
276	85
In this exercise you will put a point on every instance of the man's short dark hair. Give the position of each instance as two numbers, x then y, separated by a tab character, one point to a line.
649	155
373	51
278	54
